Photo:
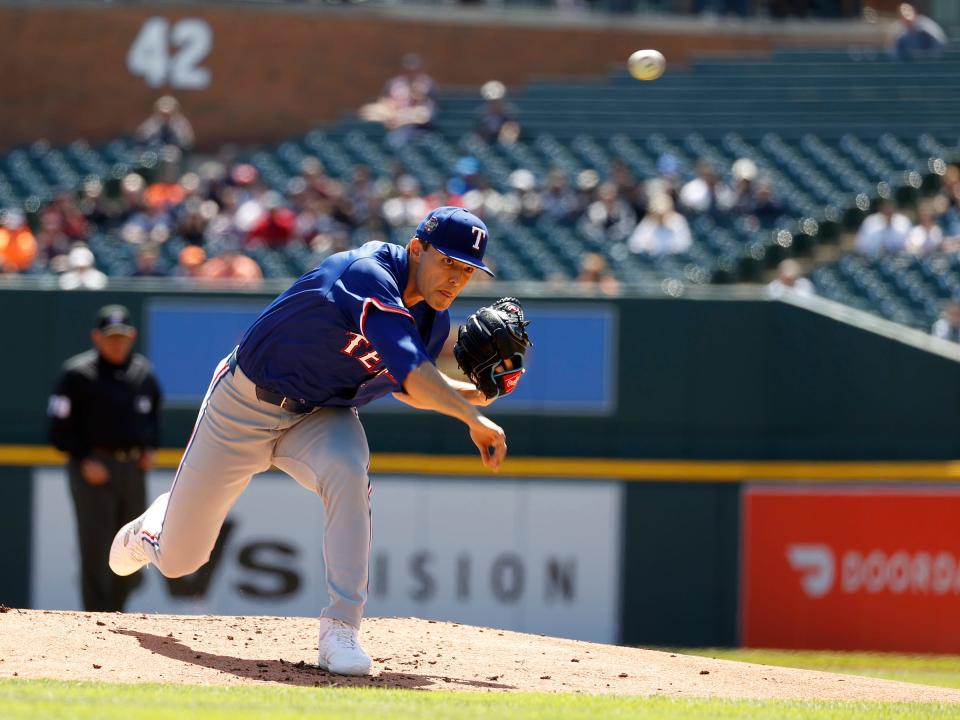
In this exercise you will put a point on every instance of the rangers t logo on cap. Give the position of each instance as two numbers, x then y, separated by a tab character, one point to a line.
457	233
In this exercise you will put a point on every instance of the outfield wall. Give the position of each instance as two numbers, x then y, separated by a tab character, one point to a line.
731	375
638	512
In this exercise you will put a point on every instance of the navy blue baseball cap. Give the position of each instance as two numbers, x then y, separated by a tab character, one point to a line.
114	320
456	233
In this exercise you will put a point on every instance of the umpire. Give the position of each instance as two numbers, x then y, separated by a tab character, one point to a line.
104	415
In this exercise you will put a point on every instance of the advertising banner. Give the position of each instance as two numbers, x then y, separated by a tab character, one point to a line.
186	339
874	568
530	555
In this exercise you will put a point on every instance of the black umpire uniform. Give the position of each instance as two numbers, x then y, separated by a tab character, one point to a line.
104	414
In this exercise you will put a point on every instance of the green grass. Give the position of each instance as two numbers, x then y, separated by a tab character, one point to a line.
942	670
41	699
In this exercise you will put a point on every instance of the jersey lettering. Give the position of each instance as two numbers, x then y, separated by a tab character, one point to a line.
357	342
370	360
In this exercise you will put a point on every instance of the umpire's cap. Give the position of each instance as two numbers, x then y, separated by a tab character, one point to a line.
456	233
114	320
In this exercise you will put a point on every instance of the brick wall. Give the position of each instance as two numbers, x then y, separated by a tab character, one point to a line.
278	72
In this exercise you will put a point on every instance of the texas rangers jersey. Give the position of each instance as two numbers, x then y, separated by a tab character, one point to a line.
309	343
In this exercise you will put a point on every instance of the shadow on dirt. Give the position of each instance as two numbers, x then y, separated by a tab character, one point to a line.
298	673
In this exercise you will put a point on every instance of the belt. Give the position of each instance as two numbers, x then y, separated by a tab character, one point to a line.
128	455
294	405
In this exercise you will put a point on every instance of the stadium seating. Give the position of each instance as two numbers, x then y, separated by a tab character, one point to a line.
833	131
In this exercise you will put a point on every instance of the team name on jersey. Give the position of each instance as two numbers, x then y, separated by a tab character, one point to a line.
358	347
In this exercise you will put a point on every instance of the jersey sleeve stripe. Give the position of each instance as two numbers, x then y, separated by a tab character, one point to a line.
379	306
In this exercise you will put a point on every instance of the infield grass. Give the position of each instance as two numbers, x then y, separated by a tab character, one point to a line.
41	699
942	670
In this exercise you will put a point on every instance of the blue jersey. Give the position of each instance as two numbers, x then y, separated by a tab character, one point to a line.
341	336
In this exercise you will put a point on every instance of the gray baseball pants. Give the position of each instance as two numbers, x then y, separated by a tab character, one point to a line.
236	436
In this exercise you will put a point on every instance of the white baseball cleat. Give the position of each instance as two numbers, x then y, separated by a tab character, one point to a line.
340	651
126	551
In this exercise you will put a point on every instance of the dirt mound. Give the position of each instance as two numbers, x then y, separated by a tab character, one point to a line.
406	652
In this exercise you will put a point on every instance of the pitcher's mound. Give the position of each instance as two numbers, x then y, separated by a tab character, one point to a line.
406	652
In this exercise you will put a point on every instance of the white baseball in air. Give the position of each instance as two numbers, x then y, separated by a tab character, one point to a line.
647	64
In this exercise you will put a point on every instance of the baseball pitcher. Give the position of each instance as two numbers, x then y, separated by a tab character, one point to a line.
364	323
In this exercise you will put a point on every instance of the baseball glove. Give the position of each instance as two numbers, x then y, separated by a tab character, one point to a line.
490	336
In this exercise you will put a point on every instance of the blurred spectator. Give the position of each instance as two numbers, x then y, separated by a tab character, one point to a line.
743	172
147	263
212	175
466	176
152	224
595	274
497	119
132	201
232	267
250	211
407	103
440	197
947	325
362	197
323	227
189	262
92	203
244	179
705	194
484	201
52	245
663	231
194	219
168	190
558	199
885	231
609	219
523	202
63	213
315	176
18	246
949	203
790	277
221	227
81	274
407	207
167	126
916	36
632	192
926	236
332	238
587	183
767	209
276	225
667	181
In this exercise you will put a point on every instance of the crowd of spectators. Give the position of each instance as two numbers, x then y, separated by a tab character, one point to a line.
206	219
203	219
935	228
222	213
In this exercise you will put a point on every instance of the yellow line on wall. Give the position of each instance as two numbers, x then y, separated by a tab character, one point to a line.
594	468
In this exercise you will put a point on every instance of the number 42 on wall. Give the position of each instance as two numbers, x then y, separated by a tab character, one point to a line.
166	53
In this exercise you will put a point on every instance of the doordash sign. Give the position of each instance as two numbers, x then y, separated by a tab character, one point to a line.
875	568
